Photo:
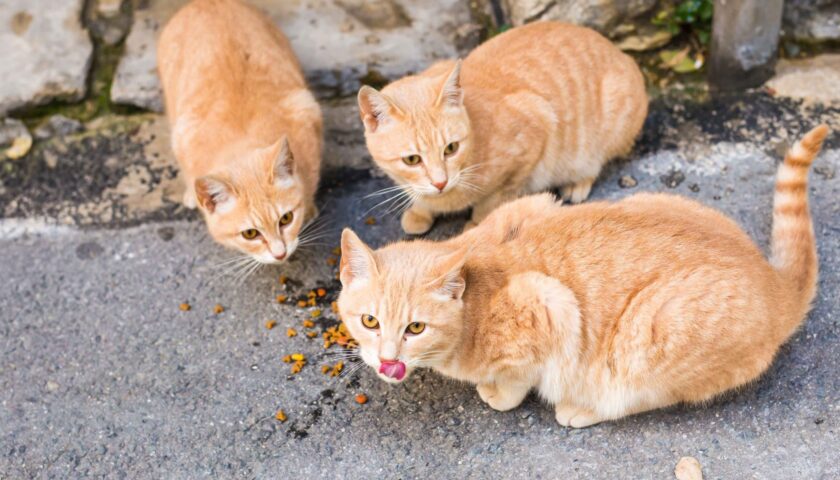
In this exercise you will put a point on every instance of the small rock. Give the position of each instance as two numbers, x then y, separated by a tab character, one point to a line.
813	78
673	179
627	181
694	187
688	468
51	386
58	125
15	139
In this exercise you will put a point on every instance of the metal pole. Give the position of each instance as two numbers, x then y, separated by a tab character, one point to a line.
745	36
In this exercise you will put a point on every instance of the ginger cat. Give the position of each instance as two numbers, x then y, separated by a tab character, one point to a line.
605	309
539	106
245	129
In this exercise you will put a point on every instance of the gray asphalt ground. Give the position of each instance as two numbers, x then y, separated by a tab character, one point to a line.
102	375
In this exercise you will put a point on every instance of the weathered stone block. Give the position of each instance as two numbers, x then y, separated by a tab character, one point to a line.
45	53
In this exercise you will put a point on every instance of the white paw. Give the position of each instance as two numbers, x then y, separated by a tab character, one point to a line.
575	417
499	399
577	192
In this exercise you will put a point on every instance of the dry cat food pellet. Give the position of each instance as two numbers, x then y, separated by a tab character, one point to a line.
332	261
301	303
361	399
311	294
336	251
311	334
287	359
291	332
270	324
283	279
280	415
336	369
316	313
312	302
308	324
321	292
325	369
185	307
218	309
281	299
370	221
298	357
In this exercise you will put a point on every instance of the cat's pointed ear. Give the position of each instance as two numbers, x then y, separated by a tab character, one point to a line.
284	161
214	194
374	108
449	278
357	261
451	94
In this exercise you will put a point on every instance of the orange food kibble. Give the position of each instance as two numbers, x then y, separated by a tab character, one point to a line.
321	292
185	307
291	332
308	324
218	309
332	262
281	298
370	221
311	334
325	369
316	313
336	251
301	303
312	302
280	415
311	294
270	324
283	279
361	399
287	359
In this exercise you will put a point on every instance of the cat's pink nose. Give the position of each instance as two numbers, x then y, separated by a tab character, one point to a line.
392	369
440	185
279	256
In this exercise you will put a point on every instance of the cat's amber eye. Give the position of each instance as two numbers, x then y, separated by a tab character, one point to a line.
415	328
250	234
286	218
412	160
450	149
370	321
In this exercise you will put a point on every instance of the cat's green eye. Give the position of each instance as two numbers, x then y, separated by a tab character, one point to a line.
415	328
370	321
286	218
250	234
450	149
412	160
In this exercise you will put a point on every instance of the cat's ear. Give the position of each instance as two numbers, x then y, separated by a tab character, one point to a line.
284	162
451	94
449	279
374	108
357	262
214	194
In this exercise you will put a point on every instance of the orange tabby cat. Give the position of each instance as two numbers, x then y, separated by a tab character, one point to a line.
539	106
605	309
245	129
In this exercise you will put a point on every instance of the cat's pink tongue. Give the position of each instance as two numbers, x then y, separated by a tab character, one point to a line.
392	369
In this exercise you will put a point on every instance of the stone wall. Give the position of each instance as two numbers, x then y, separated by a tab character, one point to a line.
812	20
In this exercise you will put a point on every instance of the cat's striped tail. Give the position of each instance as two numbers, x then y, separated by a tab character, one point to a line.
794	251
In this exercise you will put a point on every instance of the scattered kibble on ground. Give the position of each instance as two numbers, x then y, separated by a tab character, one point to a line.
270	324
185	307
321	292
287	359
280	415
308	324
311	334
301	303
316	313
336	251
332	261
370	221
361	399
218	309
281	298
283	279
291	332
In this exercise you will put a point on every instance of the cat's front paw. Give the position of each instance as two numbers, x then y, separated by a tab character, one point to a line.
575	417
577	192
499	398
416	223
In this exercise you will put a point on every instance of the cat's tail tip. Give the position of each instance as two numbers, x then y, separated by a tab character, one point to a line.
793	245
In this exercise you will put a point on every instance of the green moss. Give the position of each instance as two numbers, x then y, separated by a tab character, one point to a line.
98	100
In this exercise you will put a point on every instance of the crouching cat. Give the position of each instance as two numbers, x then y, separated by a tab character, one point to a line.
539	106
605	309
245	129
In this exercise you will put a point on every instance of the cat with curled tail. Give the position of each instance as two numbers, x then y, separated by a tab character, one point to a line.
540	106
245	129
605	309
